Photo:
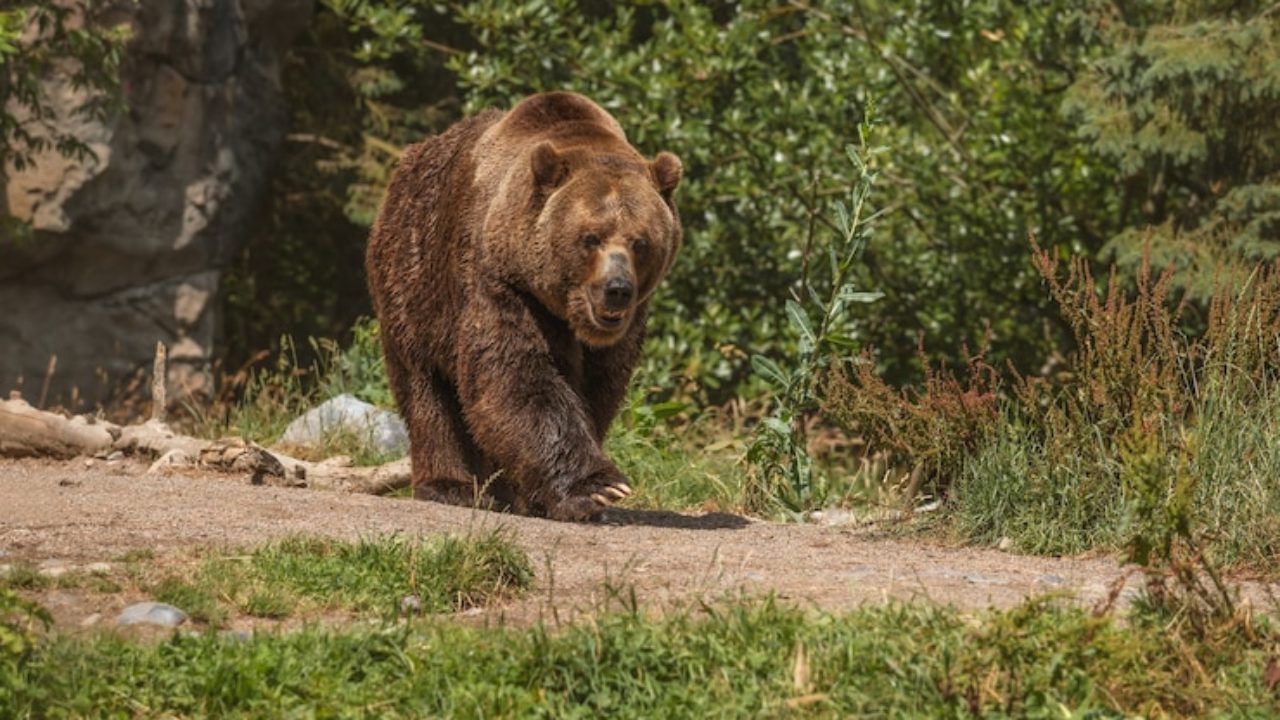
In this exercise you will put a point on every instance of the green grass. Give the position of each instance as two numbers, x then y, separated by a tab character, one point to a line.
670	474
198	599
370	576
742	659
22	576
1044	502
1062	490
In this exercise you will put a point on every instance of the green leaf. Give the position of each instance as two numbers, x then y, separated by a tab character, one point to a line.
852	151
842	217
843	341
800	321
770	371
782	429
664	410
849	294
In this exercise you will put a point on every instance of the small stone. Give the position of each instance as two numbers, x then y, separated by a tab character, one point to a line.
977	579
1006	544
90	620
833	517
172	458
98	567
5	569
1054	580
411	604
116	456
88	463
152	613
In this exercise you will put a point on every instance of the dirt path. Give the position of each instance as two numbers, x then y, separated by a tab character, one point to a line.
78	514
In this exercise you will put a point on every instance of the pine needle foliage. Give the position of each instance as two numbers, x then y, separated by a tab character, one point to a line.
1184	106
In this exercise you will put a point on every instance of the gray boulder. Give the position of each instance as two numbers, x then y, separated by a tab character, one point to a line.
383	430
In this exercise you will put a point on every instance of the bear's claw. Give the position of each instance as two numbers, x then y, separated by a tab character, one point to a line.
589	501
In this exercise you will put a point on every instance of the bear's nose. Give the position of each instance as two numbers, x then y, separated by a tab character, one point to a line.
618	292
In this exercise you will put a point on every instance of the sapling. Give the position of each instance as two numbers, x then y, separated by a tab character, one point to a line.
818	315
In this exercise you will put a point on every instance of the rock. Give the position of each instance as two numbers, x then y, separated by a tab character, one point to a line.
345	413
90	620
129	245
98	567
152	613
976	579
411	604
1053	580
833	517
1006	544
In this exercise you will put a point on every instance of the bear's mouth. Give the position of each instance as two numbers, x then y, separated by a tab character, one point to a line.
594	324
609	320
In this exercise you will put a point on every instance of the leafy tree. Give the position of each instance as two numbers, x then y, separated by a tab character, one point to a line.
40	39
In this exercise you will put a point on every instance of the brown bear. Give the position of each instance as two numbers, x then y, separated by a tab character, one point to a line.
511	268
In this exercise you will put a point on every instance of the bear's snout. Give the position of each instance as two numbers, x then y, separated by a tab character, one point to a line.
618	293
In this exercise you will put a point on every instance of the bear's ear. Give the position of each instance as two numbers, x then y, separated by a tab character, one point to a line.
667	171
549	168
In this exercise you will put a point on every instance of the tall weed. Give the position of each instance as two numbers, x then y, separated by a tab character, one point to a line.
783	474
933	430
1155	439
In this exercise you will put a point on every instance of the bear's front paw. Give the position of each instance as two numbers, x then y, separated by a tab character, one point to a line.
590	497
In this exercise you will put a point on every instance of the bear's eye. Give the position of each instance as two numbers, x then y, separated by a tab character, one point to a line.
640	244
591	241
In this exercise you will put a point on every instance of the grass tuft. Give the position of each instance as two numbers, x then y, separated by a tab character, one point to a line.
372	575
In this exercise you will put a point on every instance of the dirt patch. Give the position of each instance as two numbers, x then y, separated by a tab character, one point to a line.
89	511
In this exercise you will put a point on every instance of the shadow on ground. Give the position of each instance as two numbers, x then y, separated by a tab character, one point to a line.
673	520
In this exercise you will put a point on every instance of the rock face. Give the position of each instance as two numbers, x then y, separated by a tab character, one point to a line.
128	248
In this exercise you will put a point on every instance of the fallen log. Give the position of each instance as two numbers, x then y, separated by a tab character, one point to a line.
26	431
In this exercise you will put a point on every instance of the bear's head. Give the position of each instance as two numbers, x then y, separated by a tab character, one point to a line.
607	231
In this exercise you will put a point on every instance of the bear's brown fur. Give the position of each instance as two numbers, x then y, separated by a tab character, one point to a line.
511	268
